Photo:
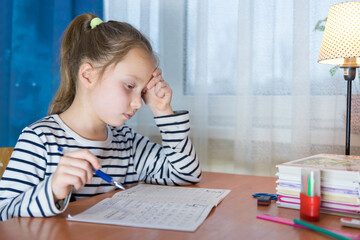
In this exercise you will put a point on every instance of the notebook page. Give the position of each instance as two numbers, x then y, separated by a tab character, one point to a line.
175	194
153	206
147	214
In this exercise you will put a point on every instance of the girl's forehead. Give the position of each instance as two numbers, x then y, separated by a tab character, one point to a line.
138	63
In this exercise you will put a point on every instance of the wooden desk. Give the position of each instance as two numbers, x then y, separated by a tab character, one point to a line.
233	218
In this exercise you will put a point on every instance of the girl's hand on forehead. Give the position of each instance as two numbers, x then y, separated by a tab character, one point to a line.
158	95
155	79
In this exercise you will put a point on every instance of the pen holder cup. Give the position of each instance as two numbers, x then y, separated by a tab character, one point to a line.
309	207
310	194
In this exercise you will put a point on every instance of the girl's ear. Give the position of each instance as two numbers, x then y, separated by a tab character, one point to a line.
87	75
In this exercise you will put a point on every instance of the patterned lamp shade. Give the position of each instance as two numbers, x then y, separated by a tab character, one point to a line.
341	40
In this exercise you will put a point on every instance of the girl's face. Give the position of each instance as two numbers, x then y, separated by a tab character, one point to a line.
118	94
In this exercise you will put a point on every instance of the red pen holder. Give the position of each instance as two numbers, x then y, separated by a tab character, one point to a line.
309	207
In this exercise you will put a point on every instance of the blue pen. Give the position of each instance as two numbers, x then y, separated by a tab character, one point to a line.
103	175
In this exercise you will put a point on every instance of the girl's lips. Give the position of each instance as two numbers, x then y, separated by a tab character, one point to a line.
128	116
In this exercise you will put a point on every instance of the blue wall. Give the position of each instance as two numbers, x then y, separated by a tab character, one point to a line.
29	58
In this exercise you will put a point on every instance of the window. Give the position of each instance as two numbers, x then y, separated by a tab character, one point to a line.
221	40
272	36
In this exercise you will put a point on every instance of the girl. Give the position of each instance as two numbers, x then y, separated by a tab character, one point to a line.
107	69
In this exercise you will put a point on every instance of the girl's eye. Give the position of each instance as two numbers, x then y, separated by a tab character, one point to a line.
129	86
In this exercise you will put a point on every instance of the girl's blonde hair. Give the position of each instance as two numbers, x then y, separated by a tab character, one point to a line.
104	45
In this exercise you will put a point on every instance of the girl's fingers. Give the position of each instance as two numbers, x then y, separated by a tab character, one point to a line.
85	155
84	174
154	81
66	177
73	180
161	89
157	72
161	93
81	165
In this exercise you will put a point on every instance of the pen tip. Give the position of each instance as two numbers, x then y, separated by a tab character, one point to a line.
118	185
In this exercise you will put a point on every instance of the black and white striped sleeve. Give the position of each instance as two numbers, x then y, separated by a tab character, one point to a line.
173	163
25	190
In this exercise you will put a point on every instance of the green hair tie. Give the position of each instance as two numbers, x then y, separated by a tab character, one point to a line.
94	22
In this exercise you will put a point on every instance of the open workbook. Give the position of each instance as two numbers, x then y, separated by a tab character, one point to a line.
154	206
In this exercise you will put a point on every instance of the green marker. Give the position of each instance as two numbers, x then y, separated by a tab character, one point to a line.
321	230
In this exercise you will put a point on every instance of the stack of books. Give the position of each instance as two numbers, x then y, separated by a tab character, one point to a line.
340	180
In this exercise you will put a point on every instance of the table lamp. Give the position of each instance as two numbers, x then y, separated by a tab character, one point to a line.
341	46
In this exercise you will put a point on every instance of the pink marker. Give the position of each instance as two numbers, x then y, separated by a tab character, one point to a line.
290	222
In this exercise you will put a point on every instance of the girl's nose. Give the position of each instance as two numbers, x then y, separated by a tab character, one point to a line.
136	103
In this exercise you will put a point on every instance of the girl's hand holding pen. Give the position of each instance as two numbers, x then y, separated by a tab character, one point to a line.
75	169
158	95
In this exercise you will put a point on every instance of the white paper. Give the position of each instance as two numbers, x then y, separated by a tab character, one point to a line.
154	206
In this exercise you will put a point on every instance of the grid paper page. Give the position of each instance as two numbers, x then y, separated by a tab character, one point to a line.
153	206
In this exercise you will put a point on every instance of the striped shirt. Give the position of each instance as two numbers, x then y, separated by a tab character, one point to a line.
128	157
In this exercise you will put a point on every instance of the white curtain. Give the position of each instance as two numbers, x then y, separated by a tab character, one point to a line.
247	71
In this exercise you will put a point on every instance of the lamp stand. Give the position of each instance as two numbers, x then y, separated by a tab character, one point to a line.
349	76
